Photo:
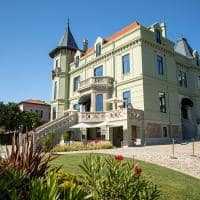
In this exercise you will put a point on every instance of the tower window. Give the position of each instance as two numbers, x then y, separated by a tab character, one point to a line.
77	60
54	113
57	63
126	63
162	102
76	83
55	90
158	36
160	65
98	49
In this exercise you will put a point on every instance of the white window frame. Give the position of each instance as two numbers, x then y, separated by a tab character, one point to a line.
55	61
130	61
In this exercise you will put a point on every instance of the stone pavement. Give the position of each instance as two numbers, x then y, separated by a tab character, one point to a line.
161	155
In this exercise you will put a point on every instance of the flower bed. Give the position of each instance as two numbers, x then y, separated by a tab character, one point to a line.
78	146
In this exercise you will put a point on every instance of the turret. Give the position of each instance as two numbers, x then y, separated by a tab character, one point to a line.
62	56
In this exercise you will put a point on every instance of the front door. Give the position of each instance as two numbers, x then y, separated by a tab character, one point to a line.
117	136
133	134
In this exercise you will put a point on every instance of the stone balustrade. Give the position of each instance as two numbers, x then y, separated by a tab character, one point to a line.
66	120
105	82
114	115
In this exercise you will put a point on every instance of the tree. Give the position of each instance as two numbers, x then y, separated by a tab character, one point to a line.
29	120
11	118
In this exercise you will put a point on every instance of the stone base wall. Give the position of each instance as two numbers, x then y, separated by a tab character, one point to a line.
175	132
154	130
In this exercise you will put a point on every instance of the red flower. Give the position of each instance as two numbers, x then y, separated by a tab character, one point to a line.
138	170
119	157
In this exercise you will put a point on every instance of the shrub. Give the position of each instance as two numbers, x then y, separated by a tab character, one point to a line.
116	179
12	184
2	130
32	163
44	189
71	186
47	141
26	174
66	136
78	146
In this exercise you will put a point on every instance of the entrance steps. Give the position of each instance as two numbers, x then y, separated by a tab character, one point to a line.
57	126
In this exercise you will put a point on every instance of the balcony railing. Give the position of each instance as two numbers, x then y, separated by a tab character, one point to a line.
114	115
104	82
55	72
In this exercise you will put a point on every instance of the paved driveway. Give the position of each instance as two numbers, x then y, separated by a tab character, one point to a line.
161	155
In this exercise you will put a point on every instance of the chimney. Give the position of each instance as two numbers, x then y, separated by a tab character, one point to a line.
164	29
85	45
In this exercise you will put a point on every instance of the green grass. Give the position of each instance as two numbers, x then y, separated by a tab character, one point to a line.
174	185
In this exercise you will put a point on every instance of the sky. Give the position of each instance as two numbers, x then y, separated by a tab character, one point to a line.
30	29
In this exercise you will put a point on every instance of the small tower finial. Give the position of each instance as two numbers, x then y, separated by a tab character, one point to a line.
68	21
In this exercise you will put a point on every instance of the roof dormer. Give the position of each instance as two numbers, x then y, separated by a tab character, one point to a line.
98	46
77	57
159	30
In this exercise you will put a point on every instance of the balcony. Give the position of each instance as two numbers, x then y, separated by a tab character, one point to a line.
114	115
55	72
100	83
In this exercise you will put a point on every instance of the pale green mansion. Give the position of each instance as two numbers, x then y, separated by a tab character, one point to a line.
134	87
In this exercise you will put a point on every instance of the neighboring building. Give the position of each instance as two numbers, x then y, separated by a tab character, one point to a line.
158	81
40	107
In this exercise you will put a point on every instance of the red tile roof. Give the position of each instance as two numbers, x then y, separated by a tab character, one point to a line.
32	101
116	35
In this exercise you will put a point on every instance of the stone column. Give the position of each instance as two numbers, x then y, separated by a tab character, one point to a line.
81	107
125	134
93	102
105	105
111	135
83	132
106	132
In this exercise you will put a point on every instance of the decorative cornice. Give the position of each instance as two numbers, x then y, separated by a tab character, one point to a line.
108	54
159	47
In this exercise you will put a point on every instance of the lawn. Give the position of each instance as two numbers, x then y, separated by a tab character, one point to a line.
174	185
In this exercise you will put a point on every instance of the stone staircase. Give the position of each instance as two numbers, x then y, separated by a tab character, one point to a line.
58	126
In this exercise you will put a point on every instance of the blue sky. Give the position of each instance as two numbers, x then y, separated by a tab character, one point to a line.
30	29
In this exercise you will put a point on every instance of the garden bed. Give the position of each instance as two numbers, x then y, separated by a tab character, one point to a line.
79	146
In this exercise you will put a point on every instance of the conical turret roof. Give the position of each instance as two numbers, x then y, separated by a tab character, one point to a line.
67	41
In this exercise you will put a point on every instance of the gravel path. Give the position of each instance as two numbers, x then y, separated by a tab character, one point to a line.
161	155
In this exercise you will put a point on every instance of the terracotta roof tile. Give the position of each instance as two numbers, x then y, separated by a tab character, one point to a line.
122	31
116	35
32	101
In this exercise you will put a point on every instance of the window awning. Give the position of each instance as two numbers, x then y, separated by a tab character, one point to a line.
85	99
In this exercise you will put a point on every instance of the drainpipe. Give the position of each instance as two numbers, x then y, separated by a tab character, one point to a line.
114	82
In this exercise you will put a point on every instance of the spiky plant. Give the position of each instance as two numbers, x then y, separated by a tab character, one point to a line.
34	163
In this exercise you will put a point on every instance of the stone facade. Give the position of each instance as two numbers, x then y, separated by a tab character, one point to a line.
161	79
